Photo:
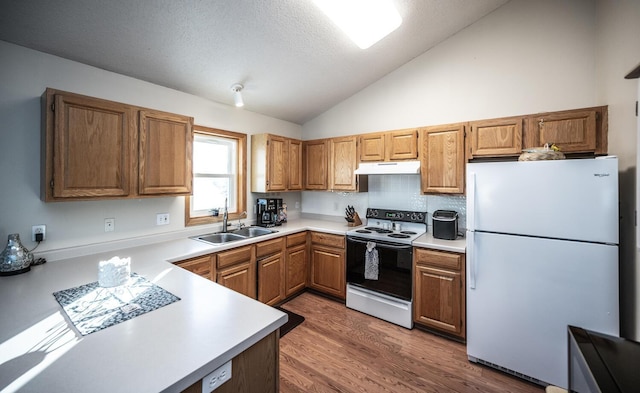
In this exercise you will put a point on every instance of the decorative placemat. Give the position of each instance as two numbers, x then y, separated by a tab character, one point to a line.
91	307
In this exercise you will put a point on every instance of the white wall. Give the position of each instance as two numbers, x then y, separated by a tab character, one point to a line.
525	57
24	75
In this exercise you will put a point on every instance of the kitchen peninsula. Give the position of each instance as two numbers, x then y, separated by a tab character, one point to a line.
165	350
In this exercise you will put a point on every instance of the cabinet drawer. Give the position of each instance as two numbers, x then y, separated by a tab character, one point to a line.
269	247
443	259
201	266
298	238
231	257
327	239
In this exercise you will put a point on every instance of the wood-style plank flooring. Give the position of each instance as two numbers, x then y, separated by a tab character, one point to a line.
337	349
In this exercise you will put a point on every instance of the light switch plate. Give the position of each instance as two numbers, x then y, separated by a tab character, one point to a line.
162	219
217	377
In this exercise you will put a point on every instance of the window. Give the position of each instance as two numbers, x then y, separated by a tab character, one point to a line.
219	173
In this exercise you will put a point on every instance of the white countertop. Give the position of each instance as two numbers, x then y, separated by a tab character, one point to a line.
167	349
428	241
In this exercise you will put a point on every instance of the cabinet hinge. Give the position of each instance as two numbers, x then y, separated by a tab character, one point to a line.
51	184
636	108
53	107
597	115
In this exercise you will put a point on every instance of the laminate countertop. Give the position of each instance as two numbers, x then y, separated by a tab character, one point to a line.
165	350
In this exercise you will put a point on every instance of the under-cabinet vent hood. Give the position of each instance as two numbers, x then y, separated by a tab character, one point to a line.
388	168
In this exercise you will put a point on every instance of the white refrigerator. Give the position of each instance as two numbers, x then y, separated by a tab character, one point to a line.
542	253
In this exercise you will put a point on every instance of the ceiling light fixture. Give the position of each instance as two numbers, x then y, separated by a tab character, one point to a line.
364	21
237	96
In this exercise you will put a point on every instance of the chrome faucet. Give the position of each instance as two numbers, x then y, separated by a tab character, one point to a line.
225	216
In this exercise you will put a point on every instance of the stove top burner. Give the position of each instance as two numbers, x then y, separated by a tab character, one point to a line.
379	230
409	232
363	231
399	236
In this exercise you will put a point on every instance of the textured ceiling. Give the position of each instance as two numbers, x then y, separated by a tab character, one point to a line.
293	62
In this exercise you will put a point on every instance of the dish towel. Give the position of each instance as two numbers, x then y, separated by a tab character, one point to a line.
371	262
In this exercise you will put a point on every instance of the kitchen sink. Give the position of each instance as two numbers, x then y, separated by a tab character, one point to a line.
218	238
233	236
252	231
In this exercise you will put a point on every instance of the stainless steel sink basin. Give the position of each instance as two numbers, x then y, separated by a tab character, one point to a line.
218	238
233	236
252	231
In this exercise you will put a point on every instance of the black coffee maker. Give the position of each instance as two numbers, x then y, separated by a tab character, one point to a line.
267	210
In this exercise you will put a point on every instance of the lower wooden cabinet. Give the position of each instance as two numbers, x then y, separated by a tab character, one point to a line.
328	264
236	270
270	271
295	264
439	291
202	266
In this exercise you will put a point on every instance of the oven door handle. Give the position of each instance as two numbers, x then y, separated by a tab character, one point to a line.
381	244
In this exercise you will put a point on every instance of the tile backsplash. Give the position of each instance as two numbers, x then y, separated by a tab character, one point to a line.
400	192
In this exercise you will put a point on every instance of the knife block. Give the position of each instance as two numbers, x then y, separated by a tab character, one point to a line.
356	220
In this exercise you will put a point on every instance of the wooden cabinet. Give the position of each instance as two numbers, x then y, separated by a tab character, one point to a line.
295	264
270	258
574	131
90	147
495	137
202	266
315	156
389	146
276	163
343	163
443	161
165	155
295	165
99	149
439	291
236	270
327	272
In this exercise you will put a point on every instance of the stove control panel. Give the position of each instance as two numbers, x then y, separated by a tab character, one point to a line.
397	215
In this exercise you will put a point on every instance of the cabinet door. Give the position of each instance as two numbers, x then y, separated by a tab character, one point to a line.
202	266
496	137
328	270
315	164
439	291
90	147
277	163
443	162
165	156
342	163
571	131
403	145
295	165
270	279
372	147
295	269
240	278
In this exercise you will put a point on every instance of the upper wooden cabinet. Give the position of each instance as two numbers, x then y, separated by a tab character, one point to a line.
389	146
165	154
276	163
99	149
575	131
495	137
442	156
343	161
315	156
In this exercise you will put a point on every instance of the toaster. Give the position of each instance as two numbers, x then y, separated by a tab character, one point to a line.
445	224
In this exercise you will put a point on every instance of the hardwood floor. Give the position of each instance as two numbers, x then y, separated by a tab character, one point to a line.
337	349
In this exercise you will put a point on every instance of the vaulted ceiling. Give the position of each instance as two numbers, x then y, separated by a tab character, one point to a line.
294	63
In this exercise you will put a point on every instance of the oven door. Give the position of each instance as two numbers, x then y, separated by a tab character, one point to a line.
394	267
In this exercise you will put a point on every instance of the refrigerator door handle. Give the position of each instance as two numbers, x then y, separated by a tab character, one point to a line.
470	257
471	201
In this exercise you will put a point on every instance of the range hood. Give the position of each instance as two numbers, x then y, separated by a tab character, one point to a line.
388	168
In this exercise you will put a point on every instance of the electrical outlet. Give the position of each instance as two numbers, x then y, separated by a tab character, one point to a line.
38	230
162	219
217	377
109	224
